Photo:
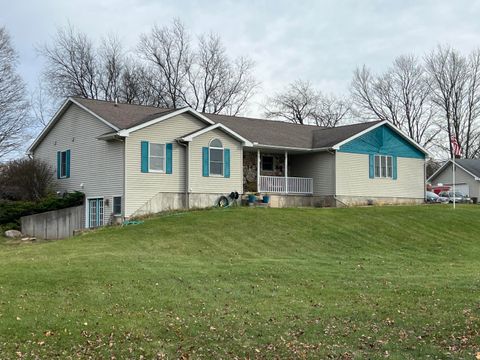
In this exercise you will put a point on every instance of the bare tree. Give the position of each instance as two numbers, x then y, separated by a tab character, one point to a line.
71	66
331	111
168	49
455	89
111	58
217	85
201	76
13	103
400	96
42	106
300	103
167	73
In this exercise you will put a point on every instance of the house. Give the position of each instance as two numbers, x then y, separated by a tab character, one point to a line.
131	160
467	176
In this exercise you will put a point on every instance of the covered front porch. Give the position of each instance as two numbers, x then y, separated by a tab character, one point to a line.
273	171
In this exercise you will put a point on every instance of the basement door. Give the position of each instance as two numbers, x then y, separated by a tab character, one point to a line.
95	212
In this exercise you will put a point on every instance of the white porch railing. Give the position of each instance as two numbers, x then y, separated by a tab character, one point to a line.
286	185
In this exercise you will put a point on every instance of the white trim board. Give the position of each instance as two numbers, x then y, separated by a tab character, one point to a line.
220	126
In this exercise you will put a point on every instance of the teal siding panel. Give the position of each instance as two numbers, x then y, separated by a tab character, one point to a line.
67	172
144	156
226	163
168	161
394	168
59	162
382	140
205	169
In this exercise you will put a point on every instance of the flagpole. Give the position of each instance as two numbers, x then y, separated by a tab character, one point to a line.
454	181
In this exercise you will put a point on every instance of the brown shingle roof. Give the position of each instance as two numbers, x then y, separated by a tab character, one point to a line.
123	116
268	132
328	137
265	132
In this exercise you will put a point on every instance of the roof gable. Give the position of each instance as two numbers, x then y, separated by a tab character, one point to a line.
228	131
383	140
57	116
470	166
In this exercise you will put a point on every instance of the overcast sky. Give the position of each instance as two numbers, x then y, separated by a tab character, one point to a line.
321	41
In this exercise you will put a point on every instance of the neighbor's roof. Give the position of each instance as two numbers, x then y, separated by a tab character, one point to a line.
471	166
125	118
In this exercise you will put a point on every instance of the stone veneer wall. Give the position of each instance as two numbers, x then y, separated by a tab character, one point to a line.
250	169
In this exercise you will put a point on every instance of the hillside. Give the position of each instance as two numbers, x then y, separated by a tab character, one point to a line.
399	282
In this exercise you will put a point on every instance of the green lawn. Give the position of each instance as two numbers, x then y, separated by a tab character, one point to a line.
397	282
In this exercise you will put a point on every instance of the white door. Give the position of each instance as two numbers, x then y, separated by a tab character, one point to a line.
463	188
95	212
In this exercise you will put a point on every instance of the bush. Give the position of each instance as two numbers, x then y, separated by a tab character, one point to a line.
12	211
26	179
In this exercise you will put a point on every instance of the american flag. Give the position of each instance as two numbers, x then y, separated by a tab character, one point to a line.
457	150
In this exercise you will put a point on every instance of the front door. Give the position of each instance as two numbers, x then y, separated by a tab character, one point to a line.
95	212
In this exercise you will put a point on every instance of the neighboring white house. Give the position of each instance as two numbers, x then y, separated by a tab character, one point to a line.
131	160
467	176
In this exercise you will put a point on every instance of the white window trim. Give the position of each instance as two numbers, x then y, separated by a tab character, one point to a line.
121	205
380	156
64	176
164	157
210	158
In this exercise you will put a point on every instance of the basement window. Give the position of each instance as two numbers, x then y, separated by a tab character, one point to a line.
117	205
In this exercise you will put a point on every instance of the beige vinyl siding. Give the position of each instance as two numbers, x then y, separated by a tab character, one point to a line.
216	184
97	164
461	177
320	166
353	180
141	187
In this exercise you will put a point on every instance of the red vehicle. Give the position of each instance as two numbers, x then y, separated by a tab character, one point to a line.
438	189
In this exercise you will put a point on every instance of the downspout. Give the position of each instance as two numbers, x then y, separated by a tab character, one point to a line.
187	174
425	179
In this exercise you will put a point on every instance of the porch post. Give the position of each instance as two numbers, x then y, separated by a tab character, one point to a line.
258	170
286	172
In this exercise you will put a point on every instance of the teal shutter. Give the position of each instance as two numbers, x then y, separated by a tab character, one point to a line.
394	167
59	163
371	166
226	163
144	156
205	169
67	172
168	160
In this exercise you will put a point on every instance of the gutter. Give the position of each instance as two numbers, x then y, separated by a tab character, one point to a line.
264	146
187	173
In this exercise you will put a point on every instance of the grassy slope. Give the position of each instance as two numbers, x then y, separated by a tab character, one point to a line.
365	282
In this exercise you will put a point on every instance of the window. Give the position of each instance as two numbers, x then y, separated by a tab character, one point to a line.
216	157
117	205
157	157
267	163
63	164
383	166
